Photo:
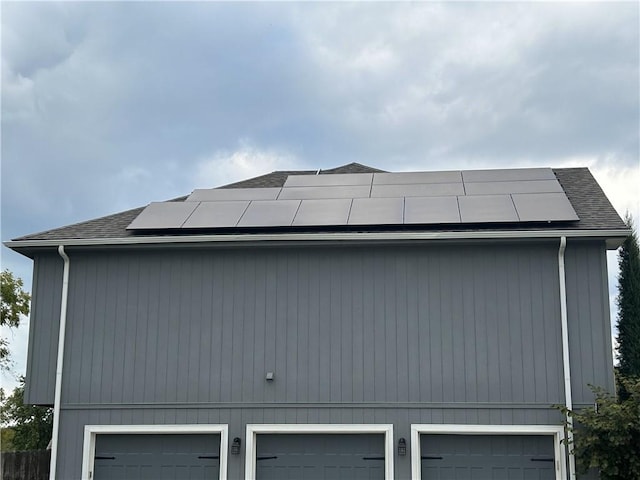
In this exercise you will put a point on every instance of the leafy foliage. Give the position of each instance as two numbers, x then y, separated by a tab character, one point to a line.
6	439
14	302
608	438
629	305
31	425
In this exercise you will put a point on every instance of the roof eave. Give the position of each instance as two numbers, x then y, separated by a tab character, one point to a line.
613	237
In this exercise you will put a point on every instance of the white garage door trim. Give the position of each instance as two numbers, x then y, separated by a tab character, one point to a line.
556	431
90	432
255	429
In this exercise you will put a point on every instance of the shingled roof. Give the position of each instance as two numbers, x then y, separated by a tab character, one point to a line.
587	198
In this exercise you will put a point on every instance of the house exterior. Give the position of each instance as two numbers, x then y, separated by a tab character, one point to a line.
282	338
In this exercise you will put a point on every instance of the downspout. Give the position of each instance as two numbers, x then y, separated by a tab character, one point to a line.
565	353
61	335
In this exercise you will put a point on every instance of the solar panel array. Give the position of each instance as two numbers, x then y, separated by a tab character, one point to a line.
428	198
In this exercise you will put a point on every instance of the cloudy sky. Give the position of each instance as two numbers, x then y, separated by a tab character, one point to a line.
108	106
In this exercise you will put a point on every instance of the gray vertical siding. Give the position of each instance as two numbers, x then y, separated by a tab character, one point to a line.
44	324
466	333
589	324
410	324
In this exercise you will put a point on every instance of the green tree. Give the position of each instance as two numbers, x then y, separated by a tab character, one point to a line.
607	438
6	433
31	425
14	303
6	439
629	305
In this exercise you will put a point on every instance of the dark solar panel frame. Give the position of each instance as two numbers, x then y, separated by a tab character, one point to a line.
417	190
506	175
404	178
544	207
431	210
333	211
269	213
509	187
485	196
230	194
377	211
329	192
163	215
487	208
333	180
216	214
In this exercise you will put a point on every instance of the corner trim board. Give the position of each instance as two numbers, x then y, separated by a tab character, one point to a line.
90	432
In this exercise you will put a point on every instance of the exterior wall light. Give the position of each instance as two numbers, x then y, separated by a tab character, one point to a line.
402	447
235	446
269	377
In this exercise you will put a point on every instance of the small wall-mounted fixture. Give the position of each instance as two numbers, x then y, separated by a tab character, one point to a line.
235	446
402	447
269	377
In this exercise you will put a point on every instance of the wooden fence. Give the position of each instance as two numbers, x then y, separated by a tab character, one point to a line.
29	465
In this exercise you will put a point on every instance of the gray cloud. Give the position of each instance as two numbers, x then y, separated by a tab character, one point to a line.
113	103
499	83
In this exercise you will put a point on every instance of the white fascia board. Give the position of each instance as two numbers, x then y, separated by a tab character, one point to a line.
458	429
324	237
90	432
255	429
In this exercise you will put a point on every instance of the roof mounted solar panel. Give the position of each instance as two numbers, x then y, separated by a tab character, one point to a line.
544	207
269	213
417	190
403	178
487	208
163	215
473	197
377	211
523	186
216	214
506	175
332	180
431	210
318	193
323	212
228	194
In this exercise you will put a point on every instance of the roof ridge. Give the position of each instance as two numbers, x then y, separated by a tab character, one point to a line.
351	166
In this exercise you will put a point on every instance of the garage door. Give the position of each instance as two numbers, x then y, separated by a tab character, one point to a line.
157	457
320	456
487	457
